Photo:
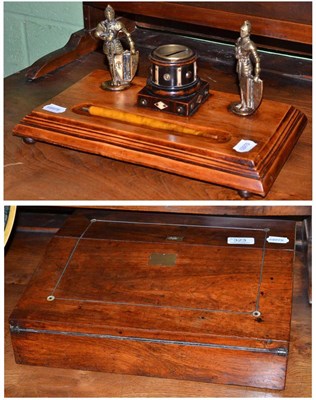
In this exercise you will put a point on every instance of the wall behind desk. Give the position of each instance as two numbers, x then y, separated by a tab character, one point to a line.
34	29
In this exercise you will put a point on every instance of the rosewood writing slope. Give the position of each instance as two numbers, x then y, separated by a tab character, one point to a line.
176	296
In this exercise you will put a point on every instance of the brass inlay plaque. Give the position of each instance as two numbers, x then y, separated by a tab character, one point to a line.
162	259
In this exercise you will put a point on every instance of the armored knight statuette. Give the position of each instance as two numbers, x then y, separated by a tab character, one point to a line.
251	86
122	63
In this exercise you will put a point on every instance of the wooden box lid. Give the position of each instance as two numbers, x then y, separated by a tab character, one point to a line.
179	296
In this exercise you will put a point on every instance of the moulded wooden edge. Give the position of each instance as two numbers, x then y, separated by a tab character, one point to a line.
257	179
292	127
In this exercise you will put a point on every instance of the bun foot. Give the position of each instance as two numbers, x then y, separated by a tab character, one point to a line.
29	140
244	194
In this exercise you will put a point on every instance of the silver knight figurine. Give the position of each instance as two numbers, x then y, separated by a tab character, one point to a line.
122	63
251	86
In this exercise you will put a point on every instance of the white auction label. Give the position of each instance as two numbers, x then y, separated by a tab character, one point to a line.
244	146
54	108
278	239
241	240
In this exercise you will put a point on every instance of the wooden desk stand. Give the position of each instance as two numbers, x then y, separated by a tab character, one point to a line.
275	128
173	296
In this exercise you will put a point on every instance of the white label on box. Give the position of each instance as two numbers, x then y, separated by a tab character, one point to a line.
278	239
244	146
54	108
241	240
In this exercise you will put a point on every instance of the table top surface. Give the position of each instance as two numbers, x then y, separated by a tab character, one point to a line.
47	172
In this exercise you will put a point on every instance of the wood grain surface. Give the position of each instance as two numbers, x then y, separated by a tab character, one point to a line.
47	172
261	211
39	381
113	308
274	21
209	155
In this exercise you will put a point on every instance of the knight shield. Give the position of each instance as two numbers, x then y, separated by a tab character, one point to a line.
255	92
125	65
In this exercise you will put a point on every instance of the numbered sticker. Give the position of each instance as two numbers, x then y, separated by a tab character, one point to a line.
54	108
244	146
278	239
240	240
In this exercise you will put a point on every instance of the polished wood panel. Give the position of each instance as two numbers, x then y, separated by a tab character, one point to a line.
27	381
293	11
135	358
257	211
227	17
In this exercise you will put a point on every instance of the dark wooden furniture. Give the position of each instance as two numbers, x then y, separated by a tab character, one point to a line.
298	377
56	173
